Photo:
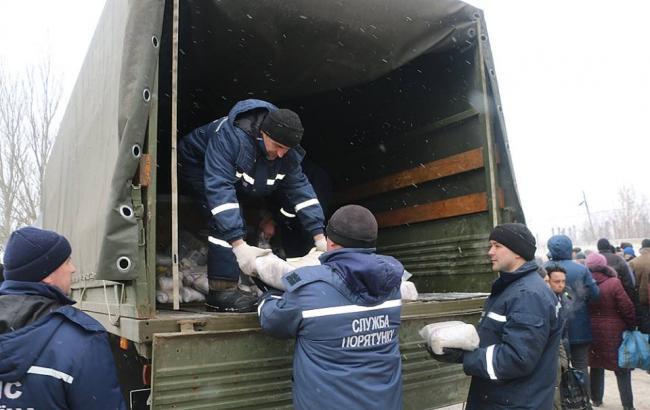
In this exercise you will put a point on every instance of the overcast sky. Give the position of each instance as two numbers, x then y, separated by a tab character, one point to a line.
574	78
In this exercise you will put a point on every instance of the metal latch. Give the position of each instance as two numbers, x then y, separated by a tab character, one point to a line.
191	325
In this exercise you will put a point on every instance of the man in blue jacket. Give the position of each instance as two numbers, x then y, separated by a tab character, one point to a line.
582	289
516	363
251	153
345	316
52	356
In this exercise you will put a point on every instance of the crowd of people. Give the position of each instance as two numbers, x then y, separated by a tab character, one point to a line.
603	293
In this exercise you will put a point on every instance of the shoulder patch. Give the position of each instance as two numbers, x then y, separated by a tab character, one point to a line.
293	278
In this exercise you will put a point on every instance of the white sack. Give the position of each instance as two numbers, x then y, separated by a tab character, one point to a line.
454	334
408	290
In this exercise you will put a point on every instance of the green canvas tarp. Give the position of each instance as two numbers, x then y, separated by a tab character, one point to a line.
228	50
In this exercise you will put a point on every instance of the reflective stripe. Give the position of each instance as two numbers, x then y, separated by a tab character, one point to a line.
489	356
341	310
287	214
497	317
225	207
220	124
259	308
46	371
219	242
247	177
305	204
271	181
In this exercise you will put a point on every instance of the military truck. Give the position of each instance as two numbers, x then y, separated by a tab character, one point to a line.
401	108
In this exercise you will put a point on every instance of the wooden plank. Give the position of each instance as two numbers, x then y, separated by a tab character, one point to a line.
446	208
455	164
144	176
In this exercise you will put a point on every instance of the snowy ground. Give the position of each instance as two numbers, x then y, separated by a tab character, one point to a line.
611	401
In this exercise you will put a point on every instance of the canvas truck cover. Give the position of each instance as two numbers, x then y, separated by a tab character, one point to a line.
276	49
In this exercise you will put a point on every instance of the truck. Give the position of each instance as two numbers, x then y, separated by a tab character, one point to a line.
401	109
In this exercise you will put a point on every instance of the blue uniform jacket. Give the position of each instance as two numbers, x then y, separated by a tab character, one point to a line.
345	316
516	363
61	360
227	157
581	287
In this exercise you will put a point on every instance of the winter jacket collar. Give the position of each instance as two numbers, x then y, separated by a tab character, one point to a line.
366	275
507	278
14	287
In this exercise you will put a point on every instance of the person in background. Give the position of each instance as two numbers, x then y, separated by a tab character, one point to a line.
582	290
515	364
610	316
622	269
52	356
628	254
574	253
557	282
641	268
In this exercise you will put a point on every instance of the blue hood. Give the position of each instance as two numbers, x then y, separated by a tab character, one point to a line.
560	247
367	275
248	105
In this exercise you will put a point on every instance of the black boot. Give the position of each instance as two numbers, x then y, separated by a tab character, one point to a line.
233	300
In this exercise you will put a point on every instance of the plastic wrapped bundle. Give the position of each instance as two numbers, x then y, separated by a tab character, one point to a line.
197	279
454	334
165	283
189	295
163	296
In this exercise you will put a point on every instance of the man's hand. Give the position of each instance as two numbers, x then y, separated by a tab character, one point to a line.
246	256
449	355
320	242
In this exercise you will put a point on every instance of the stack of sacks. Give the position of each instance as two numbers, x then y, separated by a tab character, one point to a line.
192	271
454	334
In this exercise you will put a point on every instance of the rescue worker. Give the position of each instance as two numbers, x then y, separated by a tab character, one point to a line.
52	356
250	153
345	316
516	362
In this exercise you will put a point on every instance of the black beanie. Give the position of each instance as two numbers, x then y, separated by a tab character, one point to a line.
517	238
353	226
604	245
283	126
32	254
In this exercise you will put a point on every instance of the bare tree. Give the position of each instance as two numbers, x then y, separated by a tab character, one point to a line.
28	108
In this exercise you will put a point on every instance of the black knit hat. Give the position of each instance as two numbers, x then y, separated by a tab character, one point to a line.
603	244
283	126
353	226
32	254
517	238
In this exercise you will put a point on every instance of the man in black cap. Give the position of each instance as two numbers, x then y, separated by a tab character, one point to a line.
251	153
53	355
345	316
516	363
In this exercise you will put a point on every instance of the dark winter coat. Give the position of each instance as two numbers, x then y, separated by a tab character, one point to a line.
641	268
345	316
227	158
516	363
581	287
53	356
623	271
610	316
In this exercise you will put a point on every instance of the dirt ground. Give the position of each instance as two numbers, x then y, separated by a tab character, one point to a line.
611	400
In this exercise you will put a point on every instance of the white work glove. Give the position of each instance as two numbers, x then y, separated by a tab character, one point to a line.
321	244
246	256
